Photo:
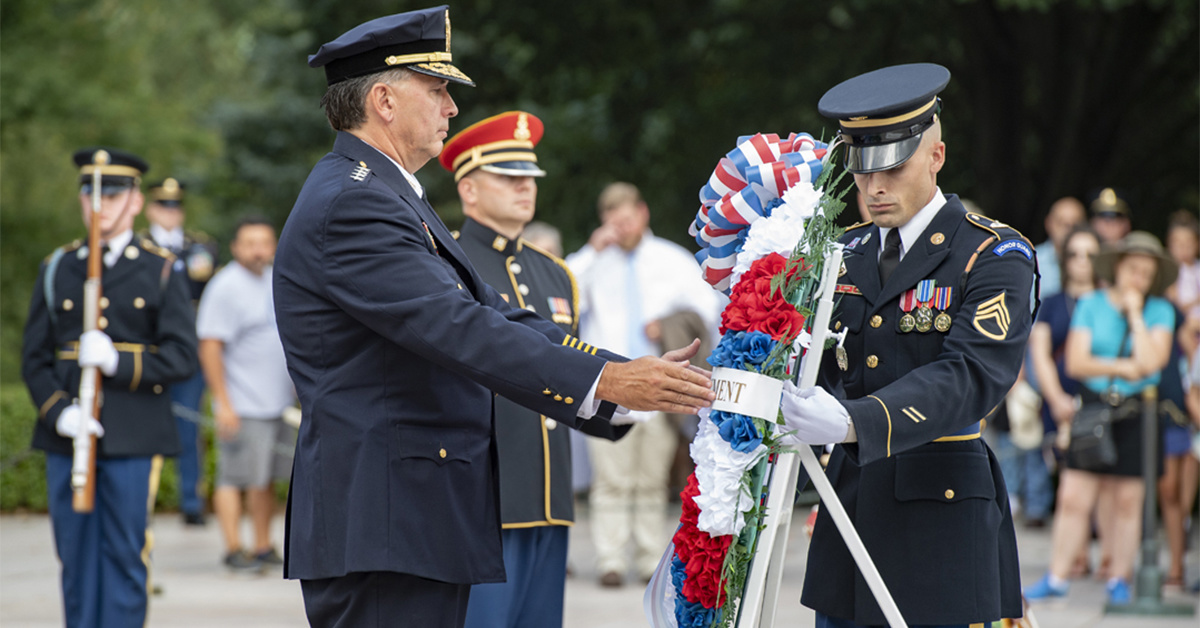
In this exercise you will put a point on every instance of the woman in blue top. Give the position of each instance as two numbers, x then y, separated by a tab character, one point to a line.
1120	340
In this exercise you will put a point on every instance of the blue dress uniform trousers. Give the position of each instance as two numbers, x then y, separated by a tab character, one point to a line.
186	395
104	553
535	560
825	621
370	599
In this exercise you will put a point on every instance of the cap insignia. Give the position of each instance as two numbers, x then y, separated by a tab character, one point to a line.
170	185
1108	196
447	30
360	171
857	118
522	132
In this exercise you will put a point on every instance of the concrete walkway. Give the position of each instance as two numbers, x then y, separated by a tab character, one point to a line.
198	591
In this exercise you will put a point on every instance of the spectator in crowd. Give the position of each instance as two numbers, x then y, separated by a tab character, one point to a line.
1176	452
629	279
197	258
1119	342
544	236
244	365
1110	217
1183	243
1065	214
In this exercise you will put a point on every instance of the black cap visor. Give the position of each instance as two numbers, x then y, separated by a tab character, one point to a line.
865	159
514	169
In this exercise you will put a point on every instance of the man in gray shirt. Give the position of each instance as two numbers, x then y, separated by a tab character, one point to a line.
244	366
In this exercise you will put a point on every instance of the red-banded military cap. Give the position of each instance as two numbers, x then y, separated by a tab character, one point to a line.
501	144
883	114
417	40
120	170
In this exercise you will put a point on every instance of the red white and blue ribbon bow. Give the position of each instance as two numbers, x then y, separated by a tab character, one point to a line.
745	186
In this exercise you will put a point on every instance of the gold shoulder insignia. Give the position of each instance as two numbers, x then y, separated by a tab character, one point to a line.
157	250
995	227
992	319
570	277
454	234
865	223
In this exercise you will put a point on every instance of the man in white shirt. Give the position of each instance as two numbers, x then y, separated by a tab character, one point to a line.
244	365
629	280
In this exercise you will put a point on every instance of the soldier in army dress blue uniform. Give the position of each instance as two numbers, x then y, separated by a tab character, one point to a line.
936	305
495	168
196	258
146	341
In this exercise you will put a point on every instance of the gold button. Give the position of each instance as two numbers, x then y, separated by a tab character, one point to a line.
551	424
131	252
68	305
547	392
568	401
872	361
837	326
876	320
103	302
442	453
558	397
949	494
102	323
459	286
158	389
139	303
937	238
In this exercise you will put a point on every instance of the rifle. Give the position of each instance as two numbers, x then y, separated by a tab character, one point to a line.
83	464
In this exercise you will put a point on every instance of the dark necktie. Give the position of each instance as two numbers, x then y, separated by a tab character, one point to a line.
890	258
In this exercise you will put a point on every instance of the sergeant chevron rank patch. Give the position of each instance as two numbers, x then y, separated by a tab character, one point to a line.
992	319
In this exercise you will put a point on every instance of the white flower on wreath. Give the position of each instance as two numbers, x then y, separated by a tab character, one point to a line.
722	501
779	232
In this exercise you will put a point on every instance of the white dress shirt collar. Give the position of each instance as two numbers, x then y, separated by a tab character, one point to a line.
116	247
408	176
911	231
168	239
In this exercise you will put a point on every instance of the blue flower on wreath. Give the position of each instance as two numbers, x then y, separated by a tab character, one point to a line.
752	347
678	574
693	614
738	430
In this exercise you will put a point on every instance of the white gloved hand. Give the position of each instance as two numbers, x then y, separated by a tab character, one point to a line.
625	416
72	417
816	417
96	349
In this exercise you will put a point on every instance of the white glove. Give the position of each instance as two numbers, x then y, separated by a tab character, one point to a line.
96	349
625	416
72	417
814	415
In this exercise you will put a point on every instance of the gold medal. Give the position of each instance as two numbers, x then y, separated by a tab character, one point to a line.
907	323
924	318
942	322
843	361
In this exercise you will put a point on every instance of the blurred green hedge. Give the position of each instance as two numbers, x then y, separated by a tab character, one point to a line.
23	470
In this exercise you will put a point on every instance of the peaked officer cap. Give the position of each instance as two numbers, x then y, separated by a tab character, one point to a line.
417	40
168	192
882	114
501	144
120	170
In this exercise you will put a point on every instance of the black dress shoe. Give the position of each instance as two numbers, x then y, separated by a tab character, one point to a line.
194	519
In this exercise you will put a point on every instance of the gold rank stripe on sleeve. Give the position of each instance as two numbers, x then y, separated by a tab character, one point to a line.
913	414
58	394
889	422
992	318
575	343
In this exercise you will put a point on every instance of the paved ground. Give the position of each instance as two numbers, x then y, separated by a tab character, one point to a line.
198	592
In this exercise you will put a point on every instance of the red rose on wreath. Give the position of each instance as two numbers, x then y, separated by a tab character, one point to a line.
752	299
779	323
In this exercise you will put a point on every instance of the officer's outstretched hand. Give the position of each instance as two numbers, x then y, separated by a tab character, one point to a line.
815	417
96	349
657	384
73	418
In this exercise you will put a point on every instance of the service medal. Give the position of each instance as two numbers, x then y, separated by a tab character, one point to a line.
942	322
843	361
908	301
925	292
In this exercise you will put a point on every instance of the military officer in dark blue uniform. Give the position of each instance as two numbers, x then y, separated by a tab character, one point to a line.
496	169
196	258
396	344
145	342
935	305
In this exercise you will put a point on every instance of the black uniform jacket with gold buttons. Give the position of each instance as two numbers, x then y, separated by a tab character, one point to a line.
923	489
396	344
534	451
196	259
146	311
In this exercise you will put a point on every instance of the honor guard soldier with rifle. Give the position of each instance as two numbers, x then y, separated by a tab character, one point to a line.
108	321
935	306
196	258
496	169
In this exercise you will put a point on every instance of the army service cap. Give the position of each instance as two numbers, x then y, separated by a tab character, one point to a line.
121	171
502	144
417	40
882	114
168	192
1109	204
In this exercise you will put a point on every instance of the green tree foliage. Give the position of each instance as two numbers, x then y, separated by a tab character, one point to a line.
1049	97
